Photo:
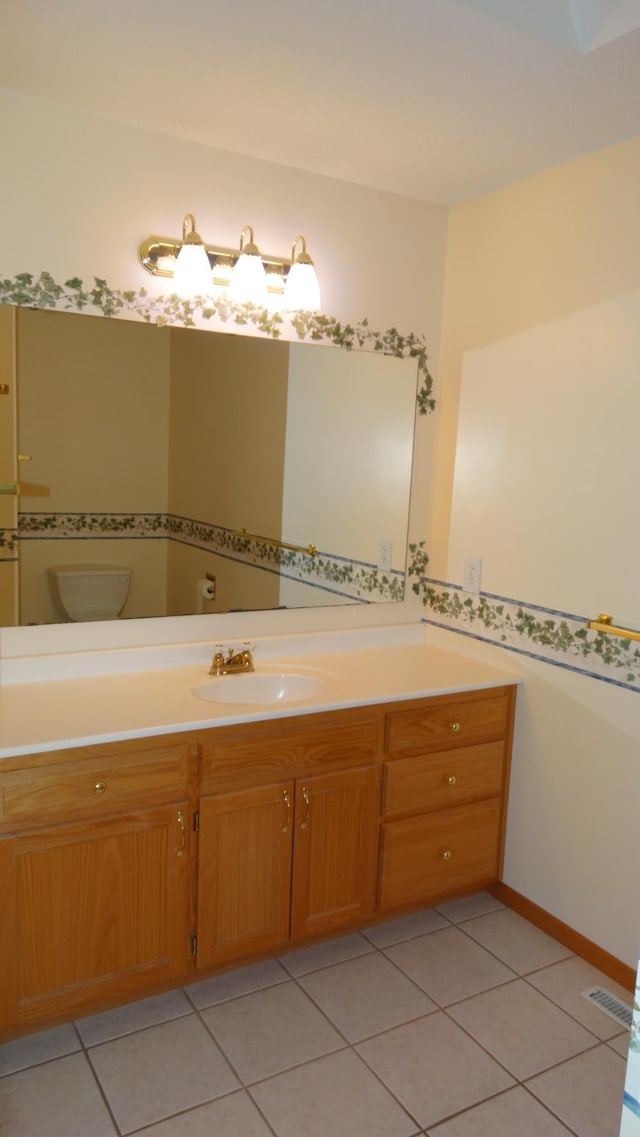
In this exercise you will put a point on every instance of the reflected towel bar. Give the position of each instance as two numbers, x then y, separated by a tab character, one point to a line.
310	550
604	624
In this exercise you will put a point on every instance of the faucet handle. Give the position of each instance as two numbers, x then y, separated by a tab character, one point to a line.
218	660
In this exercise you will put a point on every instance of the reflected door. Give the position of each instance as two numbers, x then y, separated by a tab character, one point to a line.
8	475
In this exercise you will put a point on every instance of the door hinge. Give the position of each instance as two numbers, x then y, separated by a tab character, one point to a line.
194	944
196	821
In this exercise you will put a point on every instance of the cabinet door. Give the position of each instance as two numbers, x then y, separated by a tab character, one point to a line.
91	911
335	849
244	877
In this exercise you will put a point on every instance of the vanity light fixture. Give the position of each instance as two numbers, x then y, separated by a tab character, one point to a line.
192	272
248	280
302	288
230	269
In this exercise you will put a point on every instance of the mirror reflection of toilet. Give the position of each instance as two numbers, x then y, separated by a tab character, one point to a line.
89	591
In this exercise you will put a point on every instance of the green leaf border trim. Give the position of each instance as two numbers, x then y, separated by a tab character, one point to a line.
549	635
26	291
351	579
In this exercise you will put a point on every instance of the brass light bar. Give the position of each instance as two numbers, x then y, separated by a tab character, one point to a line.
158	256
310	550
604	623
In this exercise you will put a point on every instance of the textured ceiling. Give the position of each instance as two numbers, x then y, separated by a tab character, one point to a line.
581	25
437	99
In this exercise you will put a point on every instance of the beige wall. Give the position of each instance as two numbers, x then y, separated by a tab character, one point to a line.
542	273
532	252
228	421
93	412
349	447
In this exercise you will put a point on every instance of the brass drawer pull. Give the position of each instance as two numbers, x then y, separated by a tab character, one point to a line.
452	779
305	798
183	834
447	855
100	787
287	802
454	726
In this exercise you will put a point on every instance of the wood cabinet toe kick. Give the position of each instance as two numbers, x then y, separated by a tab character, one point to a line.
126	868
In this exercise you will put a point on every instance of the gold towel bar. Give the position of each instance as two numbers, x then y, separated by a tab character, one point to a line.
604	623
310	550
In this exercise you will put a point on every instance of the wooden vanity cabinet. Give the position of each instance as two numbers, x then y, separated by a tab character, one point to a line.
94	888
296	857
126	867
444	796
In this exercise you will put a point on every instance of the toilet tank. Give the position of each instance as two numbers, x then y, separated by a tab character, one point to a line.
92	591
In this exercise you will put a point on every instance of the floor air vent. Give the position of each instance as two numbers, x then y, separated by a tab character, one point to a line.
611	1006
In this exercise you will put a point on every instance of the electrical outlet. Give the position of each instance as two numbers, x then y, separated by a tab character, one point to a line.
384	555
472	572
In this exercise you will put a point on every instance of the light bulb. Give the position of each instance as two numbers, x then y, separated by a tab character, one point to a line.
248	283
302	288
248	280
192	272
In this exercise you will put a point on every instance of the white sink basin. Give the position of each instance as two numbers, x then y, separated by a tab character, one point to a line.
260	687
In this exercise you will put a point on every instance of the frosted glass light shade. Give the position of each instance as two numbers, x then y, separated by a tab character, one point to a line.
302	288
248	280
192	274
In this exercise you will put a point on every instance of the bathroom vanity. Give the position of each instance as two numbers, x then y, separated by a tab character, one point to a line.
140	862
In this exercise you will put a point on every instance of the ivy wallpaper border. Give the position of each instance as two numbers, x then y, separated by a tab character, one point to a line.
8	544
350	579
25	290
541	633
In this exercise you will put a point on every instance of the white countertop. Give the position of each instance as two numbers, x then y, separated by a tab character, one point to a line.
57	714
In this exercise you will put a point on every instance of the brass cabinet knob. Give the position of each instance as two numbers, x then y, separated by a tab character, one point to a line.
100	787
447	855
452	779
454	726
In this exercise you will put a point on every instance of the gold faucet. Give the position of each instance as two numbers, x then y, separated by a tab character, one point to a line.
235	661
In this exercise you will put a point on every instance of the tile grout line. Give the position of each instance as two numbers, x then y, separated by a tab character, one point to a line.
348	1046
86	1048
560	1120
101	1090
242	1084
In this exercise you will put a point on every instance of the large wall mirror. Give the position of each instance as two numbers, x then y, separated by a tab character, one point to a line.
185	455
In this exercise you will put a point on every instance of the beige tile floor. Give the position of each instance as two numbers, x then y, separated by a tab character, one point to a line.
460	1021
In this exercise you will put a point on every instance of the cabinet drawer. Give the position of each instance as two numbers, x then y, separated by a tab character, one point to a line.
450	777
439	853
440	725
239	757
94	786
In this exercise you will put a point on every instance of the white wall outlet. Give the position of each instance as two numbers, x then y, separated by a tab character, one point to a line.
384	555
472	573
